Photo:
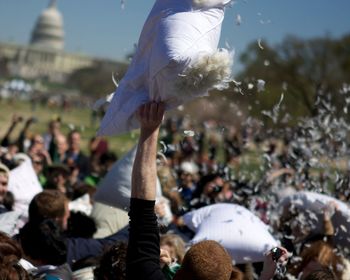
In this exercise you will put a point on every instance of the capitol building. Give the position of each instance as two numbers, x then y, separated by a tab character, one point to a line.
44	57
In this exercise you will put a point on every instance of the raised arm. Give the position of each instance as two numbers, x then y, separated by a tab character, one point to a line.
144	173
143	256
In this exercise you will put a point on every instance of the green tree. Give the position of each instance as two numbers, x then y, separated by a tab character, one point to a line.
305	70
96	81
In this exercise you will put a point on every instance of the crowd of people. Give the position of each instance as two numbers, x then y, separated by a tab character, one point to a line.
197	166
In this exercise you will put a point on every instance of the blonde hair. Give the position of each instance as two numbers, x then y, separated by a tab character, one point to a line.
174	241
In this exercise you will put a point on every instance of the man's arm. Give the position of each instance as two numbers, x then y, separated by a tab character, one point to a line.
144	175
143	256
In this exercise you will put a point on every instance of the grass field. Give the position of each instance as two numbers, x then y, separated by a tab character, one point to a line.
78	118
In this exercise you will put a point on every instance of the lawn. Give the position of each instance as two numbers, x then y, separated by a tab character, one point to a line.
77	118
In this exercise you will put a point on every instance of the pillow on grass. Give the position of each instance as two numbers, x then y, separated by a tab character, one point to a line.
176	60
245	237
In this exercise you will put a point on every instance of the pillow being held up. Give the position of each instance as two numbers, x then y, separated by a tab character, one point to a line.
176	60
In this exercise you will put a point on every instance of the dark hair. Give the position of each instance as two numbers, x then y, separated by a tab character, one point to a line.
10	254
113	263
49	204
203	181
43	241
81	225
323	274
9	201
108	157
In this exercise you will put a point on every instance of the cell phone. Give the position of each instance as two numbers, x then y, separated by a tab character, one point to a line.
276	253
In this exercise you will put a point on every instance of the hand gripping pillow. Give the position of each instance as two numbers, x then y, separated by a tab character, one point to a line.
115	188
176	60
245	237
312	206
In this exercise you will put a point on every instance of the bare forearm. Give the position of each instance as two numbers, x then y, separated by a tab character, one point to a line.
144	175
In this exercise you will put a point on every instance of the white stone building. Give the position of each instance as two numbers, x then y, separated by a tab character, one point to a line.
45	57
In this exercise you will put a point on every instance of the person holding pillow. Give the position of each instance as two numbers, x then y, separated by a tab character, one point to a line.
204	260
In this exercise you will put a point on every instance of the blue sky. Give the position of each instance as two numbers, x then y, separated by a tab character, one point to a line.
102	28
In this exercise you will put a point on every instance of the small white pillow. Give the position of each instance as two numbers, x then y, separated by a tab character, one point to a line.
115	188
176	60
245	237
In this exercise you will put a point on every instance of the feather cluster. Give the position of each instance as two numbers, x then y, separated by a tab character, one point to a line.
209	71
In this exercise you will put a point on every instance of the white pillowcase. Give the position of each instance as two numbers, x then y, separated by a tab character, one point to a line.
176	60
115	188
245	237
312	205
24	184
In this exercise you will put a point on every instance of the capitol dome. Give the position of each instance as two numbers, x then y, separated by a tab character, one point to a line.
48	31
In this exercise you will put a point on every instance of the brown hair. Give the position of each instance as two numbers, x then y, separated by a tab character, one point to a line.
113	263
10	254
321	252
324	274
49	204
174	241
208	260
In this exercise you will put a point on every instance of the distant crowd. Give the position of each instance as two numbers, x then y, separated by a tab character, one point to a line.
44	235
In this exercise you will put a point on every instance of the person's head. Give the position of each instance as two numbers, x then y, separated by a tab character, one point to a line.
74	140
113	263
211	185
317	256
50	204
174	245
54	126
323	274
188	172
43	243
38	163
61	143
57	177
208	260
107	160
37	143
4	179
10	255
81	225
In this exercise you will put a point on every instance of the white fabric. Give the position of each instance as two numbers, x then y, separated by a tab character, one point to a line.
81	204
176	60
27	265
210	3
245	237
312	206
11	222
115	188
108	219
24	184
86	273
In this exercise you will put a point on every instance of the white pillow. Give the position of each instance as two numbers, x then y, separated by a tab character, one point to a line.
24	184
312	206
176	60
11	222
245	237
81	204
115	188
